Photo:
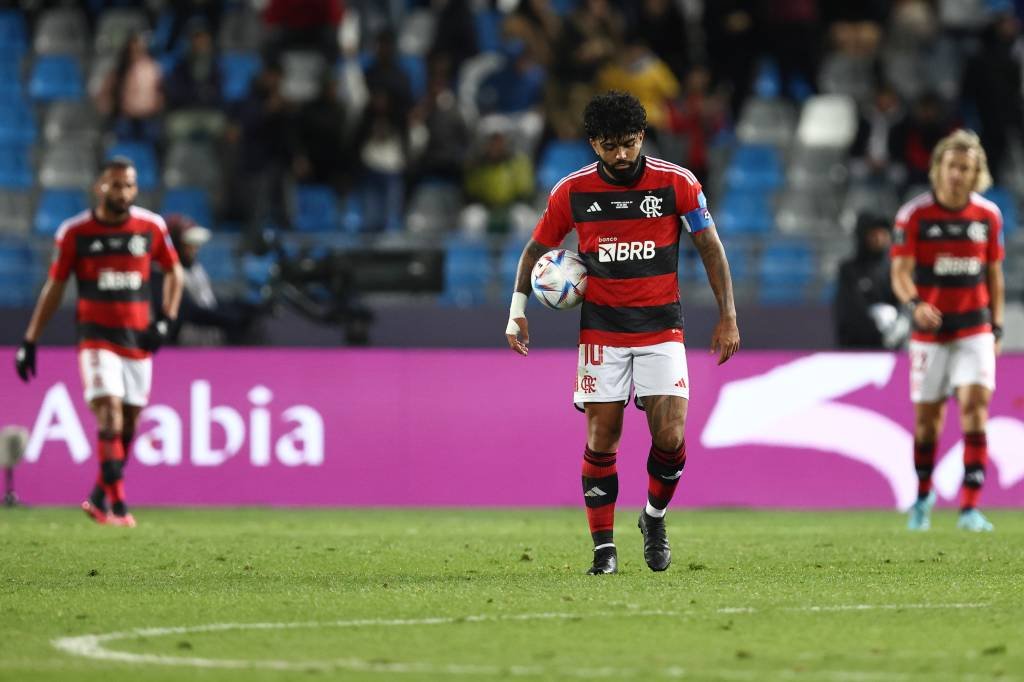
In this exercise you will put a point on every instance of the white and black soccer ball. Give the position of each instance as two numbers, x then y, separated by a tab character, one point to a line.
559	279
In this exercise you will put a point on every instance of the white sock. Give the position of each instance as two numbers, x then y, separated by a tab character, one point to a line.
654	512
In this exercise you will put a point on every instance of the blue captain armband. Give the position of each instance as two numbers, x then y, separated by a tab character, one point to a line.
699	218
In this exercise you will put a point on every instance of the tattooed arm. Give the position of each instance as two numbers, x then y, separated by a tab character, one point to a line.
517	333
726	338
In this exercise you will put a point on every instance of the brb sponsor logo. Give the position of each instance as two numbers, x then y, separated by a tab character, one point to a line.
291	436
611	251
953	265
114	280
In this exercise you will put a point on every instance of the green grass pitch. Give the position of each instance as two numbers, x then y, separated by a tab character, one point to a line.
261	594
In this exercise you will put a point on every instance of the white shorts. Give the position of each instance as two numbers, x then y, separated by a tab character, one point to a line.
105	373
605	374
936	369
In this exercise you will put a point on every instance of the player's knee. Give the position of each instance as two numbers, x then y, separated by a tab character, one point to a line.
669	440
111	471
108	433
926	432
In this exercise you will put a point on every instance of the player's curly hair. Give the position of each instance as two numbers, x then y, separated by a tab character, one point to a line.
613	115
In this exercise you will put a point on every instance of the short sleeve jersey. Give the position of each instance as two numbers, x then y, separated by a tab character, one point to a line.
111	264
629	239
951	252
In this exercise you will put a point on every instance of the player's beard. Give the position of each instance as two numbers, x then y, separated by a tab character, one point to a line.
115	208
623	173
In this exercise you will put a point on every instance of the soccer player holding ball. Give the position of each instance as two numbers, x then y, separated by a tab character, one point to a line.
947	269
629	211
109	250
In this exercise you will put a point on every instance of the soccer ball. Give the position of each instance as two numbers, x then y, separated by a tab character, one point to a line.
559	279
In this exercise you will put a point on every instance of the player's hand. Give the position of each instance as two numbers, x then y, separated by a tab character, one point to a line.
726	339
518	335
156	334
25	360
927	317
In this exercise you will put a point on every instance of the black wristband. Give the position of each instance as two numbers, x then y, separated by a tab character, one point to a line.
912	304
997	331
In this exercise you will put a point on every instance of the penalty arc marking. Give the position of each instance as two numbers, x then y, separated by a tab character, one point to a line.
94	646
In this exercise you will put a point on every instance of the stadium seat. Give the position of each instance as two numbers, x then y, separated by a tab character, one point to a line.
508	263
56	77
19	273
817	168
828	121
785	272
99	68
843	74
192	164
17	124
488	30
879	199
15	212
15	166
190	201
352	212
69	164
807	211
472	74
416	32
433	208
62	31
237	71
143	155
1007	204
755	167
13	35
316	209
71	121
746	212
218	259
56	206
302	74
467	273
766	121
116	25
558	159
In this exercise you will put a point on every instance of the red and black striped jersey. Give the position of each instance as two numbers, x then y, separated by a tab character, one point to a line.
111	264
629	239
951	252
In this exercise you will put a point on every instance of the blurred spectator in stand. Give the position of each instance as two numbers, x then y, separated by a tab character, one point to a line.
194	88
131	96
695	118
516	87
535	24
260	155
865	310
185	13
992	83
911	140
663	26
855	26
304	25
455	34
499	184
438	126
795	45
732	43
385	73
320	153
640	72
591	34
383	144
203	319
871	150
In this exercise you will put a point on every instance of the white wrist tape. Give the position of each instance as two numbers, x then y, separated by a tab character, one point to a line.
516	309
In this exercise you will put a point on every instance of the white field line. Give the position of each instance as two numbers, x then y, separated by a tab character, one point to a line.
94	647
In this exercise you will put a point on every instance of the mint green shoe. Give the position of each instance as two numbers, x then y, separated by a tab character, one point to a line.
974	520
921	513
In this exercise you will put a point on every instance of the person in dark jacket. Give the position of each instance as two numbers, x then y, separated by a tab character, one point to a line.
865	308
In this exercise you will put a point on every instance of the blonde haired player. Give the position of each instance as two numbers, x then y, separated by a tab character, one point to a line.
947	268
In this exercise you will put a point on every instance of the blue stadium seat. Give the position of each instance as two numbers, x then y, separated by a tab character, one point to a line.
17	125
237	71
352	212
56	206
508	262
1007	204
746	212
488	30
218	259
56	77
190	201
558	159
258	272
13	36
786	270
15	169
467	273
143	155
755	167
316	209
